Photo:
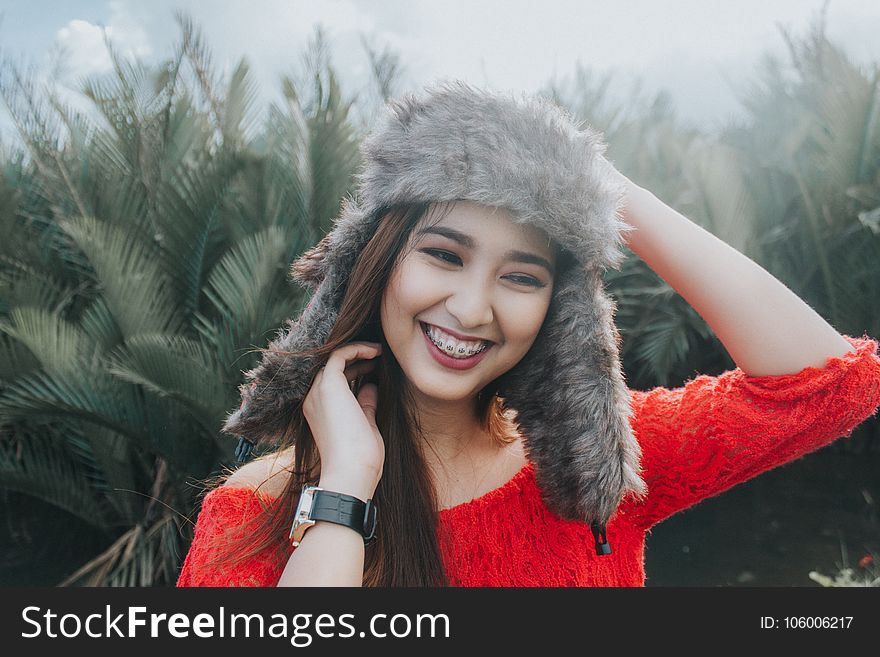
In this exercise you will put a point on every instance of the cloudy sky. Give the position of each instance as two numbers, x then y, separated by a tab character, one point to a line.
699	50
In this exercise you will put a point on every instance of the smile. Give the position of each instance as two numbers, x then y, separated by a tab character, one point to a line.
451	352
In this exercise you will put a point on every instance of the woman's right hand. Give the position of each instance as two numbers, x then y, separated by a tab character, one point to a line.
344	426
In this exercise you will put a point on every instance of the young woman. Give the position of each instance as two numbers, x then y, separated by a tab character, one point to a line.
454	389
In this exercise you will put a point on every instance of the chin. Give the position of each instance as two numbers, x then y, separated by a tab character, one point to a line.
437	390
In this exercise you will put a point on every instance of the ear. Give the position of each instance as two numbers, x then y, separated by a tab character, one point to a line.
308	269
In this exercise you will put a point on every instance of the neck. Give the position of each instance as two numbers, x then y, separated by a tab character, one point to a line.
452	431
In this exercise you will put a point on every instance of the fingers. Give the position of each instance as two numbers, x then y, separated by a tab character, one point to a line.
352	352
350	361
368	397
359	369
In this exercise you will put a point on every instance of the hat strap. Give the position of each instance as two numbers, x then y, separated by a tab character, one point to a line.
243	449
601	538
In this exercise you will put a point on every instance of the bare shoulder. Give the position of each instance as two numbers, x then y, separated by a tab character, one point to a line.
269	473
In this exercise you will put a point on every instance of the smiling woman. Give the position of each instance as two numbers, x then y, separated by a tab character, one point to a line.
465	446
458	279
454	388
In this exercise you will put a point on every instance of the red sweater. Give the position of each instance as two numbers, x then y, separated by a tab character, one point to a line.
697	441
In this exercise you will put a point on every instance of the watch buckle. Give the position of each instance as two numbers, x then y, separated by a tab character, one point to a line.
369	522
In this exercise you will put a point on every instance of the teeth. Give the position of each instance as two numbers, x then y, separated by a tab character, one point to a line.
453	347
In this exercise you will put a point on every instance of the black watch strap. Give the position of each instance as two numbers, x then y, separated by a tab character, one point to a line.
345	510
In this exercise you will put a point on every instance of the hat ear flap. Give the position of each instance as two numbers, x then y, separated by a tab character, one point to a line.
280	381
573	405
308	270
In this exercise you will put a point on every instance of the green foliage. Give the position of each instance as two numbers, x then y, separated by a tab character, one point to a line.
147	244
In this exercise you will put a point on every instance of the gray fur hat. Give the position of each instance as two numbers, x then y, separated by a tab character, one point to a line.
527	155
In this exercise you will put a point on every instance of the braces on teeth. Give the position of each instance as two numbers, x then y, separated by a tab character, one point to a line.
450	348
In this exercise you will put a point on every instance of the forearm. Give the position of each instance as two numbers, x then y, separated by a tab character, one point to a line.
329	554
765	327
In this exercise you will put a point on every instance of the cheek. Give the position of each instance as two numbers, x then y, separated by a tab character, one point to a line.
411	290
521	319
405	296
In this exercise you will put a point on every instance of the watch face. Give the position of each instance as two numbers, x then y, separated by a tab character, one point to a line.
302	518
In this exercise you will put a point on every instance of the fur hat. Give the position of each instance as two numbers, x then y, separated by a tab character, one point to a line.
527	155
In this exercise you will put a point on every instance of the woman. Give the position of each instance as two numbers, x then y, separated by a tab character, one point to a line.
454	384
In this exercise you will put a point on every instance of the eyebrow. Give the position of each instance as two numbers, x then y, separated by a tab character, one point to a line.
468	242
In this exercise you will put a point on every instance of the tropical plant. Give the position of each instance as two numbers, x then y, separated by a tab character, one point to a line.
147	240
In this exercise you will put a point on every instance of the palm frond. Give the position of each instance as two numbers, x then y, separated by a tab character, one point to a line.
240	289
334	155
239	118
135	287
15	358
198	54
37	465
175	367
188	205
142	556
289	178
24	284
98	324
662	344
60	347
92	396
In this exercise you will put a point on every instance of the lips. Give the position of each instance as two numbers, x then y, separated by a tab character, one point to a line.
453	363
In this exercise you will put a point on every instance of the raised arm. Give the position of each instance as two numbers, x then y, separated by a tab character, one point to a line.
766	328
798	384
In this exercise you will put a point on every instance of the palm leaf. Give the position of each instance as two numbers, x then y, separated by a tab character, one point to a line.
140	557
23	284
91	395
333	153
187	209
36	465
15	358
662	344
60	347
116	460
98	324
289	178
241	289
238	116
136	289
175	367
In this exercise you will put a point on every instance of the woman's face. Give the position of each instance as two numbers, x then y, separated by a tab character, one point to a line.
474	273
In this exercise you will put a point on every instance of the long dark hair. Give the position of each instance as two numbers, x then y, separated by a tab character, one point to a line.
407	551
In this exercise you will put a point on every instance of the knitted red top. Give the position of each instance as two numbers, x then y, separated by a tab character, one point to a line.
697	441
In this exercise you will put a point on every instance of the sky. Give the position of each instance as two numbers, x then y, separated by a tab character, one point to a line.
700	51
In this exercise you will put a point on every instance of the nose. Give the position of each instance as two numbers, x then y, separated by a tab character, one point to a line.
471	304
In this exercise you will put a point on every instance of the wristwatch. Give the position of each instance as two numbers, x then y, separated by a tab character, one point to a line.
319	504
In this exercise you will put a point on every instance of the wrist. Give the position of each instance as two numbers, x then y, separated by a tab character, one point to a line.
333	506
360	487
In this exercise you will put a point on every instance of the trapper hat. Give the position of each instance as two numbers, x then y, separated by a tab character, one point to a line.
527	155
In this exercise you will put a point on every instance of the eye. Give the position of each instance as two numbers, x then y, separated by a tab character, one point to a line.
445	256
528	280
453	259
